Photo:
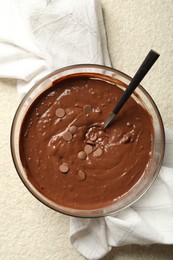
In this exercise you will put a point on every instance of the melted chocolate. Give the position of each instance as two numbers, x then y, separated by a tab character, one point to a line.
119	156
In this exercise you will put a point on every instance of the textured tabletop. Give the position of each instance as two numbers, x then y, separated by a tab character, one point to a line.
28	229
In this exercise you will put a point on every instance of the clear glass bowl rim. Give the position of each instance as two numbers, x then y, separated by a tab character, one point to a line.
90	66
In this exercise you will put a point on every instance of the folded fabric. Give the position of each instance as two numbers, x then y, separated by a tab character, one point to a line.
37	37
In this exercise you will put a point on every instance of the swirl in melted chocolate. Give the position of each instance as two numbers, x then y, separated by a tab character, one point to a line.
67	154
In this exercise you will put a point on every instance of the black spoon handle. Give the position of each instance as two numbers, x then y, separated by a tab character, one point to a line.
140	74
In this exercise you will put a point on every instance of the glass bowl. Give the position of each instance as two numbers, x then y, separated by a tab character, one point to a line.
122	81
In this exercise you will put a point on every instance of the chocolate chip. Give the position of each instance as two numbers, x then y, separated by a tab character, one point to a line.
93	137
81	175
87	109
73	129
60	112
63	168
90	142
67	136
98	152
88	149
82	155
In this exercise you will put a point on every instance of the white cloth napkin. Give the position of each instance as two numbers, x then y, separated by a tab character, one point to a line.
38	36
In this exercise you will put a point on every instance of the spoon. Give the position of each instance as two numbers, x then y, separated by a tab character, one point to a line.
140	74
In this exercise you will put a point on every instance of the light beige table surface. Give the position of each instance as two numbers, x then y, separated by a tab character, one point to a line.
28	229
